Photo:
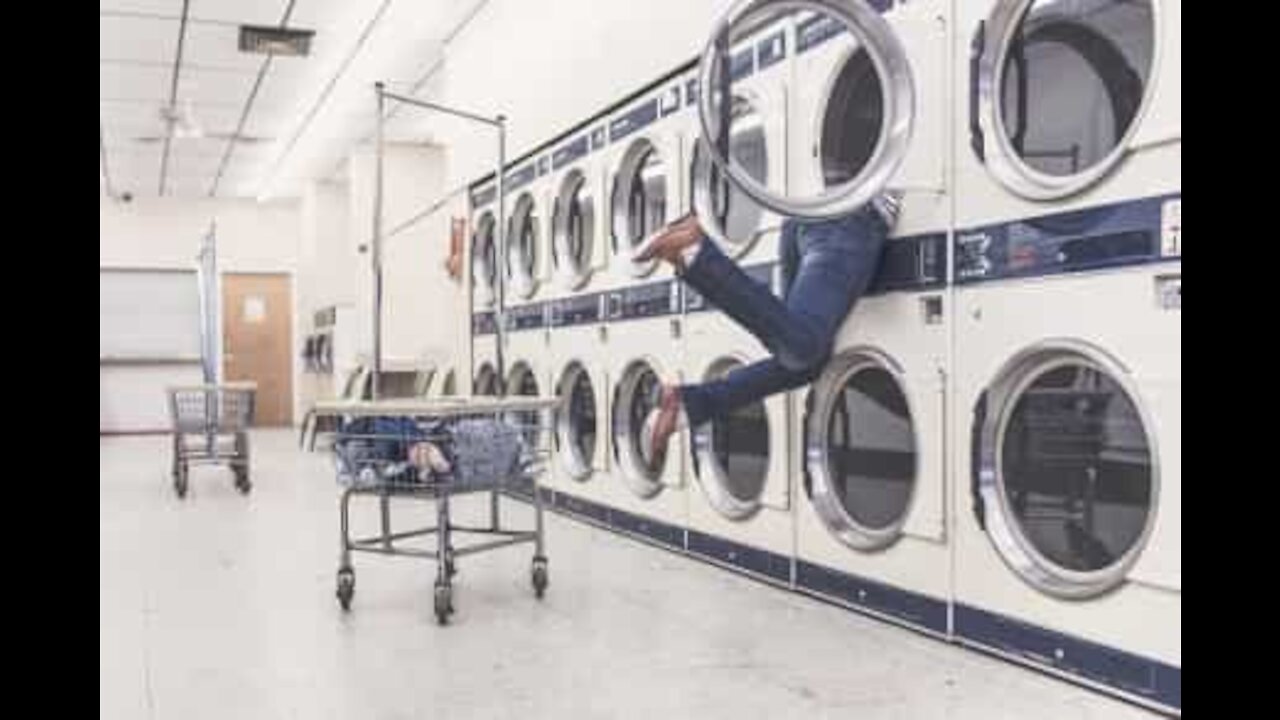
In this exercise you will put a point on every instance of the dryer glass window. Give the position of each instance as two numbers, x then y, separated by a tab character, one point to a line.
1074	77
737	215
740	445
524	382
523	234
872	449
1076	468
852	121
638	395
574	224
579	430
486	382
449	387
640	193
484	254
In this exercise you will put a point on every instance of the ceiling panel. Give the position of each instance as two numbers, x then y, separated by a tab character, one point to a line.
223	89
217	46
134	82
144	7
241	12
131	38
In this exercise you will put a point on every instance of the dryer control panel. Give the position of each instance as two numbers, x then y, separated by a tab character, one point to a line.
644	301
1128	233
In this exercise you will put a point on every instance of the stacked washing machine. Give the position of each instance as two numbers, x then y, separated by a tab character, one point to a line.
577	358
740	501
647	495
993	453
484	280
1068	352
870	112
527	268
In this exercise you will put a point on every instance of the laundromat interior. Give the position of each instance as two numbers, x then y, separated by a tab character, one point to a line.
608	359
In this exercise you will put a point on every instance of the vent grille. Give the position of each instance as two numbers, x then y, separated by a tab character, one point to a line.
275	40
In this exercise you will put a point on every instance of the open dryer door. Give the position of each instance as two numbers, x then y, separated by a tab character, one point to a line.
874	93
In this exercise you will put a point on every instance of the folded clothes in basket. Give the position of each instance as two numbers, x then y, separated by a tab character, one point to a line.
378	450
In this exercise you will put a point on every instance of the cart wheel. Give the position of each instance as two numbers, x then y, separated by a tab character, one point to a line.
443	603
180	480
540	578
346	587
242	480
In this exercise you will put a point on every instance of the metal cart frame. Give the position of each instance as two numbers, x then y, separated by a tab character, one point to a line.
446	551
217	413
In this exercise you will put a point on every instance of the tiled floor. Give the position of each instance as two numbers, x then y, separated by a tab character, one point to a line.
222	606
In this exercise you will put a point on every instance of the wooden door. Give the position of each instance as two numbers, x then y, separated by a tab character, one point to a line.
257	342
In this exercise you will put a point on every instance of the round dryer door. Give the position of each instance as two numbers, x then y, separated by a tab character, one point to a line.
861	450
639	200
862	127
1065	469
635	399
522	246
573	228
1059	88
733	454
486	381
484	263
729	215
575	422
522	381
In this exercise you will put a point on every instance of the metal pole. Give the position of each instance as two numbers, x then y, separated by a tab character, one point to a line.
376	249
499	314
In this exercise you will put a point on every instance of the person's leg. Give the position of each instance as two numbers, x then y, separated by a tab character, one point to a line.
742	386
837	260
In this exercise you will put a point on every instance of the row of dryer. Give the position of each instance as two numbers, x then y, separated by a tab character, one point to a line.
993	454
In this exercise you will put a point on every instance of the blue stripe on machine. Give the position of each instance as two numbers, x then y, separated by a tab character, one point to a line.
1138	676
909	607
636	118
741	556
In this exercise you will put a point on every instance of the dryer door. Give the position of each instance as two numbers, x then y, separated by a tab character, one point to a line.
1058	90
1064	469
869	112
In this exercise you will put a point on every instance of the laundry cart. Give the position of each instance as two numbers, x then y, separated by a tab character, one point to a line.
432	450
211	426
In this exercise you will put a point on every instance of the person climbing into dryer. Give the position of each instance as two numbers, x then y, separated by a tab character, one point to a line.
826	266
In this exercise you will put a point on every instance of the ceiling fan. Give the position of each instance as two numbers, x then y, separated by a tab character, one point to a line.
181	124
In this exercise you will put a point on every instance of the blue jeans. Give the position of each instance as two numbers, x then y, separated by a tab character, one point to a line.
826	267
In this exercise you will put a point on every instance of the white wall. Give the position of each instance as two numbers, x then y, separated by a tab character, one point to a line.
166	233
548	65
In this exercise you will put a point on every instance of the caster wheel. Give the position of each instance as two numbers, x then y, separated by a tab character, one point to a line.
242	481
180	481
539	576
346	587
443	603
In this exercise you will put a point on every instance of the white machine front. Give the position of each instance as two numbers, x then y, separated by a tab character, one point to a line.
740	508
1067	103
580	472
869	110
643	347
645	182
484	257
1069	438
527	261
578	248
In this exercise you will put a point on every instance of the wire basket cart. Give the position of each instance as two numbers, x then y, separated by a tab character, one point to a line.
431	451
211	427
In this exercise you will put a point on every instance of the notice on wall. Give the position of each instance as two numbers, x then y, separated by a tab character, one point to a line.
255	309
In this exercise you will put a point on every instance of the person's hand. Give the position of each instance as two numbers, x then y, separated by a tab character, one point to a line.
671	240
